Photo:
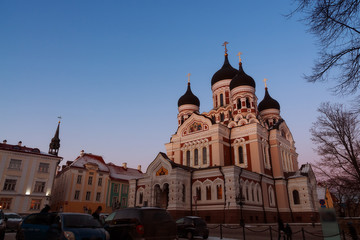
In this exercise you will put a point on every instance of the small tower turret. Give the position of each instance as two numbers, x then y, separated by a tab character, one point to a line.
55	142
269	108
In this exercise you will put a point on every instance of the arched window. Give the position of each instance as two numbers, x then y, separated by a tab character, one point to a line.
257	195
187	158
221	117
141	198
252	194
198	193
221	99
196	157
183	193
247	193
182	119
219	191
204	155
208	192
241	155
213	118
238	104
247	103
296	197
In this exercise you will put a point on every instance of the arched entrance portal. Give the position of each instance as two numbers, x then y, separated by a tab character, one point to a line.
162	196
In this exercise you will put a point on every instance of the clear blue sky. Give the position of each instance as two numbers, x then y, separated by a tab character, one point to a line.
114	70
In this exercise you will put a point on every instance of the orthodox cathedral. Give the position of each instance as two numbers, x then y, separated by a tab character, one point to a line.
237	162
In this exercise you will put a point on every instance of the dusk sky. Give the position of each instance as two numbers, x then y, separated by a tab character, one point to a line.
114	70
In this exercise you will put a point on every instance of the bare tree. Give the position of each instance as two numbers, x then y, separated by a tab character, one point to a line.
336	24
336	134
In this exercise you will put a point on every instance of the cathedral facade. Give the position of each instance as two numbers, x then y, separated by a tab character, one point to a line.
237	162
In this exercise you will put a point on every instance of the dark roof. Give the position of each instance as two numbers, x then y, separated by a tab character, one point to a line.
188	98
242	79
268	102
225	72
175	165
24	149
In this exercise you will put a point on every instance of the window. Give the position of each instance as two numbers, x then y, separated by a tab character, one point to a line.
241	155
183	193
196	157
39	187
247	193
5	203
198	193
90	180
35	204
125	189
188	158
123	202
9	185
98	195
219	191
115	201
221	99
15	164
87	196
238	104
204	155
79	177
208	193
44	167
222	117
100	182
141	198
247	103
77	194
296	197
252	194
116	188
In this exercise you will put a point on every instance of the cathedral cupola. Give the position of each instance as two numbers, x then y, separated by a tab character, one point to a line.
220	82
269	108
187	104
242	88
55	142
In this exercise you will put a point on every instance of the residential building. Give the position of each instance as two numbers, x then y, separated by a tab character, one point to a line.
27	176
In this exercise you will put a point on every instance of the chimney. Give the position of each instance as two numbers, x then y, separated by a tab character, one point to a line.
81	153
19	143
4	142
139	168
124	165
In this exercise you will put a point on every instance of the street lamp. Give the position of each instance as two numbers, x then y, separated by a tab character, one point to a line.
240	201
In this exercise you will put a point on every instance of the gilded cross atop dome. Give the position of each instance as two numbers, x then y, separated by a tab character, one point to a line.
239	54
265	79
188	75
59	117
224	44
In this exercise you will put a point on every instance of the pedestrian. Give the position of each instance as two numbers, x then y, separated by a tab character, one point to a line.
96	214
288	232
46	209
280	227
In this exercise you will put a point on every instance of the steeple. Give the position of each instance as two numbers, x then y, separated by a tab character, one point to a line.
55	142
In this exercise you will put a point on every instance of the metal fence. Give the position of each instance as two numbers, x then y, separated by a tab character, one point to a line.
271	232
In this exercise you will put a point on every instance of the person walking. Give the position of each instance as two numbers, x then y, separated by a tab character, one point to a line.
280	227
97	212
288	232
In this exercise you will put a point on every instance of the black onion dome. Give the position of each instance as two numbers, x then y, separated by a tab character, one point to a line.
225	72
242	79
268	102
188	98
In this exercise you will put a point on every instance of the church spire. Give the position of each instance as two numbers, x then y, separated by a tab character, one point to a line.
55	142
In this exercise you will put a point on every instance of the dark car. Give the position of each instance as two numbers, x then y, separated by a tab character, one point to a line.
2	225
140	223
191	226
13	221
63	226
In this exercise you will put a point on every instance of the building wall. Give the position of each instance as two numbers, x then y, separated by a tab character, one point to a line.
33	188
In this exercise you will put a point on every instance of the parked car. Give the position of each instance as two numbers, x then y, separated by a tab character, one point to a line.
191	226
13	221
64	226
2	225
141	223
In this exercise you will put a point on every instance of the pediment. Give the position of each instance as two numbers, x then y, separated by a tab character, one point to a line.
160	166
194	124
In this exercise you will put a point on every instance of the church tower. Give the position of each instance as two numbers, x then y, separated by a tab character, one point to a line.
55	142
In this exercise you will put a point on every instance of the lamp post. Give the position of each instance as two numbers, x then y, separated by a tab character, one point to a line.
240	201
